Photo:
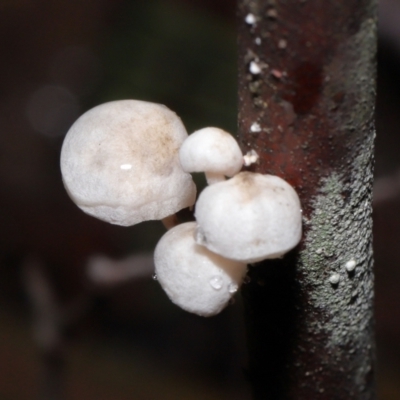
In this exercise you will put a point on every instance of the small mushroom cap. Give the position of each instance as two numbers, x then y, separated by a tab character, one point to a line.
120	163
249	218
211	150
193	277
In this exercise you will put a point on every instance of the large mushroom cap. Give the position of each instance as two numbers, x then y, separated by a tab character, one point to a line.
193	277
120	163
249	218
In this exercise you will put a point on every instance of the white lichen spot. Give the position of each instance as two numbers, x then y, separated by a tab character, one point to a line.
350	265
282	44
126	167
251	157
250	19
255	127
254	68
334	279
257	41
233	288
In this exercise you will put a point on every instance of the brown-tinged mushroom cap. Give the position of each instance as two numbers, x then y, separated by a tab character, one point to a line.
120	163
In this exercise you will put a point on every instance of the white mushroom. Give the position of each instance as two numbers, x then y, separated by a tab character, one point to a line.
120	163
249	218
212	151
193	277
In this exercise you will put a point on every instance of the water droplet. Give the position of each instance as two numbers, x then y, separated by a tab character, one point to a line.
246	280
199	236
233	288
126	167
154	277
216	282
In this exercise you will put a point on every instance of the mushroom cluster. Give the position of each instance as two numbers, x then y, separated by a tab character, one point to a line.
129	161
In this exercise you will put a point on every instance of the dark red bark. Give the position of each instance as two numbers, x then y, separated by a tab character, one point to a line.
306	106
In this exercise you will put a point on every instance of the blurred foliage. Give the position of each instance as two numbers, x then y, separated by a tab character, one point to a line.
164	52
169	53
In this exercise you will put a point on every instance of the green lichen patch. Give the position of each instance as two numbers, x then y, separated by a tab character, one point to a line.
339	310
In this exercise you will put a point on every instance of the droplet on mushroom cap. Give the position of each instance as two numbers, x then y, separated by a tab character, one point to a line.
120	163
249	218
193	277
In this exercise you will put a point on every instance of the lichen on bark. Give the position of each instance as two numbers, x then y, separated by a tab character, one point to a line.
310	319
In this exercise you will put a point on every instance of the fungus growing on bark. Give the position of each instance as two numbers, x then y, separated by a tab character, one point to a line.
193	277
212	151
249	218
120	163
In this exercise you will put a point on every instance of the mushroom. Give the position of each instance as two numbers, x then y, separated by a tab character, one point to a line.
193	277
249	218
120	163
212	151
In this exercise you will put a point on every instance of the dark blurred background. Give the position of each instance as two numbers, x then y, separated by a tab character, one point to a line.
127	341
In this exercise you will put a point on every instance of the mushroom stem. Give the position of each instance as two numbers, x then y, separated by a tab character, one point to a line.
213	177
170	221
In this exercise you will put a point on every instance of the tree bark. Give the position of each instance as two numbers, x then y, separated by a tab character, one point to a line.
306	106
